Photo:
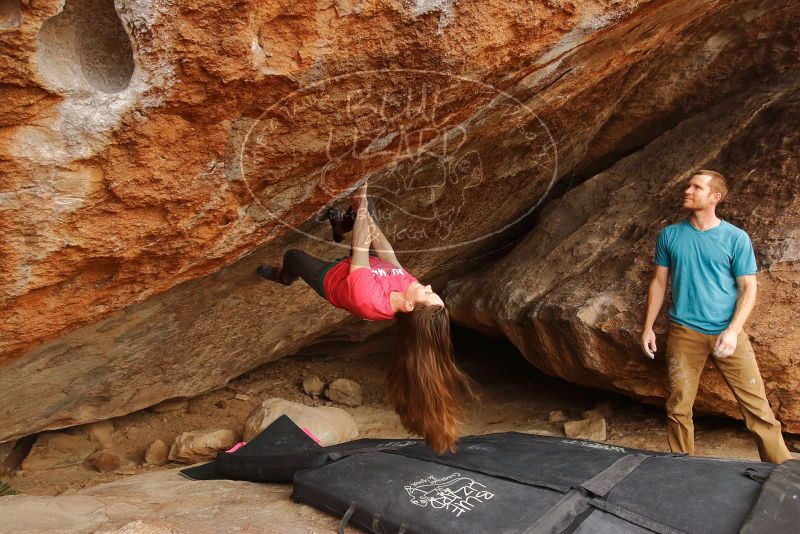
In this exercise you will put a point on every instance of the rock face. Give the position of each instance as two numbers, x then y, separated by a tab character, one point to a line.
142	157
571	296
166	503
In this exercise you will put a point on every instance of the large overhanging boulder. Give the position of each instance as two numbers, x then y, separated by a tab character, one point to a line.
147	149
572	295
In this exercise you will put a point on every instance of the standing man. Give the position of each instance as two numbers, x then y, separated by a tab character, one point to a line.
713	292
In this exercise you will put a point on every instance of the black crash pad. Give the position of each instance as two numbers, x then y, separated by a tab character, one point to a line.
518	483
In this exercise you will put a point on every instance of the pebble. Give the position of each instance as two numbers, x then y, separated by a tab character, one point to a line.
157	453
105	461
345	391
313	385
201	445
557	417
591	429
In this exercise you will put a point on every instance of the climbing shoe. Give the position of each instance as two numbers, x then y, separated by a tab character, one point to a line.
270	273
341	223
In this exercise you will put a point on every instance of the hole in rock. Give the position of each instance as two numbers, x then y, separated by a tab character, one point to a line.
86	43
10	14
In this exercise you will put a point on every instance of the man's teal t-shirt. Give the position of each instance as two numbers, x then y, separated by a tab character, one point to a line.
704	267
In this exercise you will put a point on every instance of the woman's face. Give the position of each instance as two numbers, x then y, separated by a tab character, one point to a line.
416	293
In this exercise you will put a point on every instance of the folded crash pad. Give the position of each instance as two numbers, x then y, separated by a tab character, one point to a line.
279	451
280	437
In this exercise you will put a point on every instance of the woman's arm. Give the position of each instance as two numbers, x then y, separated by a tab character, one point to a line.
362	236
382	246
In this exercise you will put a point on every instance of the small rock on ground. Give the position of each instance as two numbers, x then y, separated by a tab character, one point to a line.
313	385
591	429
105	461
157	453
345	391
328	424
201	445
557	417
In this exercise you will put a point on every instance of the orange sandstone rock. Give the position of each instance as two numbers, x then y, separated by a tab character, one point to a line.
152	155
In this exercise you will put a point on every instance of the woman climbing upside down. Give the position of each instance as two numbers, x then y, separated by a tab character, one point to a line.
423	384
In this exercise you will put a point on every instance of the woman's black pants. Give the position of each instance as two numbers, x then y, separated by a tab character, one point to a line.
300	264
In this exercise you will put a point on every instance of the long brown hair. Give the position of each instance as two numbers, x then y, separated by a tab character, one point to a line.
424	386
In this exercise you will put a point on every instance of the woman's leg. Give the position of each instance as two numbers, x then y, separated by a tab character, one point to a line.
297	263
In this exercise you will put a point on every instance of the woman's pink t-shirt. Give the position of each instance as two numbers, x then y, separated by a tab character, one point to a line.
365	292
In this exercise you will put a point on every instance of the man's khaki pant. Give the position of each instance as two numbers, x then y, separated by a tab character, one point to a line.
687	351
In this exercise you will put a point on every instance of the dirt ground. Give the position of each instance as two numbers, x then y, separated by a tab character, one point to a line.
515	396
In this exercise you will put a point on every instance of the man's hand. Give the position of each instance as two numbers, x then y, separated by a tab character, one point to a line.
655	297
359	196
649	343
726	344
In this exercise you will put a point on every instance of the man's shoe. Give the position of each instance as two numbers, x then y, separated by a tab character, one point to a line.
270	273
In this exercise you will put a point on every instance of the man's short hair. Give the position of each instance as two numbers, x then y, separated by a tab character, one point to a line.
718	183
